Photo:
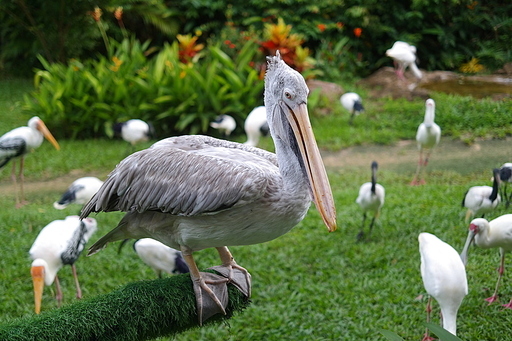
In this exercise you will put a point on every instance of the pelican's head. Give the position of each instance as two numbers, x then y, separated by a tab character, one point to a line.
38	124
286	95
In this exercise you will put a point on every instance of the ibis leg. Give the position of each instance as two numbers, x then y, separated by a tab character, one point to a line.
494	296
58	294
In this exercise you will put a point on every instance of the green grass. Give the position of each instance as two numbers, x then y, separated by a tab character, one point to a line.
307	284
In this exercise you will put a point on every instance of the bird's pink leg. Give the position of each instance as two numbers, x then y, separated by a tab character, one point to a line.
501	269
508	305
229	262
415	181
206	308
58	291
426	336
77	285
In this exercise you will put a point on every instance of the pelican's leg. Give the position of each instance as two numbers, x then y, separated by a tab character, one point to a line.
77	285
228	262
58	294
215	301
360	235
501	269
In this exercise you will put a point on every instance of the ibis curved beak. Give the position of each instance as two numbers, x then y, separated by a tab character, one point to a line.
469	240
46	133
322	193
37	273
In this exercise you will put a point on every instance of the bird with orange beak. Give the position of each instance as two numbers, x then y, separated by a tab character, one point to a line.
59	243
18	142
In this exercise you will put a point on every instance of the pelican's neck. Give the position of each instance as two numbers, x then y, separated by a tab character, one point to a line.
291	168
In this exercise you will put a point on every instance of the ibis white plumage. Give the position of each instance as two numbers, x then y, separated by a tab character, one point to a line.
444	278
20	141
404	56
197	192
159	256
225	124
506	178
79	192
59	243
256	126
370	199
353	103
427	138
134	131
496	233
480	200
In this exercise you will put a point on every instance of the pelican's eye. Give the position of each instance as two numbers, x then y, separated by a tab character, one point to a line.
288	95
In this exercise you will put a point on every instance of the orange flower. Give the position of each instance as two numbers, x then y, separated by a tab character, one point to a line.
118	13
96	14
321	27
358	31
339	24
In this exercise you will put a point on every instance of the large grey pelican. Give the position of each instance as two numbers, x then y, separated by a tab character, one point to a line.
197	192
20	141
59	243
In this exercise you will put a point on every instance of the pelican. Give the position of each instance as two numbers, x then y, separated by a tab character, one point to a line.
404	55
444	278
159	257
197	192
59	243
256	125
488	235
427	137
353	103
134	131
20	141
480	200
225	124
506	178
79	192
371	198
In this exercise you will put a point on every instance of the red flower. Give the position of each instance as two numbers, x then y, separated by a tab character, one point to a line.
321	27
358	31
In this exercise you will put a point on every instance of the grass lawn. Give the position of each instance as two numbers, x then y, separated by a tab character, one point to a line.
307	284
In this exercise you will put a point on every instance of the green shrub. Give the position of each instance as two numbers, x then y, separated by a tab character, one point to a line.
84	99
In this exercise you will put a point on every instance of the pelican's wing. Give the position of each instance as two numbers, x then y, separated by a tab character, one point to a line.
186	176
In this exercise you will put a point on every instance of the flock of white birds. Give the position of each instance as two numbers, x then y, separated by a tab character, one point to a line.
442	268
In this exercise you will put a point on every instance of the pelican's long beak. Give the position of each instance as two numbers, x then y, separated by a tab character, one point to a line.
469	240
37	273
46	133
322	194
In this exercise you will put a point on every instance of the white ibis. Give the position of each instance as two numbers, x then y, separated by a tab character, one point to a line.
256	125
225	124
159	256
444	278
506	178
370	199
20	141
404	56
427	138
59	243
134	131
353	103
480	200
196	192
488	235
79	192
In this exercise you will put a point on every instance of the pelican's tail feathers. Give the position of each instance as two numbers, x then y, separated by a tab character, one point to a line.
116	234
